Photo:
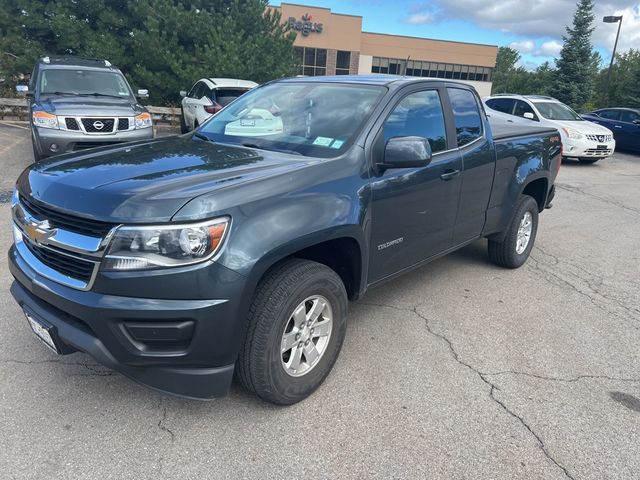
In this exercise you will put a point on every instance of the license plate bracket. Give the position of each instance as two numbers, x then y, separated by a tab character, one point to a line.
602	147
45	332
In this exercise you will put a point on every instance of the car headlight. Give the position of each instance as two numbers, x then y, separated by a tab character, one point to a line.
143	120
573	134
44	119
151	247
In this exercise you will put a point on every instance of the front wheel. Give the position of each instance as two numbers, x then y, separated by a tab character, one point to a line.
297	323
588	161
515	247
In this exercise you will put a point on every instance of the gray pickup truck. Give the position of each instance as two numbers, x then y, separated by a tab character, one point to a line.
78	103
235	248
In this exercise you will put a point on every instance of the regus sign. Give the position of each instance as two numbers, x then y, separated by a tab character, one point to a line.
305	26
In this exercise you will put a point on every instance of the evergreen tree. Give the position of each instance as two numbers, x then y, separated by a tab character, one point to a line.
162	45
573	83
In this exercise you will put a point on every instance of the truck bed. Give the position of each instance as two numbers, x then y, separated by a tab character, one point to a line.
506	130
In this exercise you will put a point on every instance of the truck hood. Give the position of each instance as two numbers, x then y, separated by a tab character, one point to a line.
148	181
66	105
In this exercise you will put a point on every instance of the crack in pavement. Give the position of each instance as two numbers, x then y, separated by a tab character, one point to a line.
580	190
482	376
94	369
162	422
561	379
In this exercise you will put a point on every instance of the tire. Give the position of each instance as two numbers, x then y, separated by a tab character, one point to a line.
183	123
588	161
508	252
262	366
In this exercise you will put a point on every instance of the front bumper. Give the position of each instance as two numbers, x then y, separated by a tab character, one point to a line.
179	346
54	142
585	148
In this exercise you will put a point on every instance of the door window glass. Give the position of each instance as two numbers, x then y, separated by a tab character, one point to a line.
629	116
609	114
522	108
467	115
504	105
419	114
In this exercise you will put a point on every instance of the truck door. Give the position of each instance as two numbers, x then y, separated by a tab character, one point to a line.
413	209
478	164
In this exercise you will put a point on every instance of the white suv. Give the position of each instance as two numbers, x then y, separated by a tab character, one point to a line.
209	96
586	141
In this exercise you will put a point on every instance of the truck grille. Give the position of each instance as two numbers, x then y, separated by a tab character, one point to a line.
84	226
98	125
72	123
123	124
73	267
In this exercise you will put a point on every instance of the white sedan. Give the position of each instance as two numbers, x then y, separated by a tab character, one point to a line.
209	96
586	141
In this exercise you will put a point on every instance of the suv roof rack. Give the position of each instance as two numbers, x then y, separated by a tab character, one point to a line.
545	97
75	60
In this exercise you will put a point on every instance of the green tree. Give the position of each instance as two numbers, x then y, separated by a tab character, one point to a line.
162	45
573	82
624	89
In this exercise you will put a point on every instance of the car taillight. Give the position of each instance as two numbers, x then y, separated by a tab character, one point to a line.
215	108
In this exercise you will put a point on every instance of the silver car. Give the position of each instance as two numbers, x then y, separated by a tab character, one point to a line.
80	103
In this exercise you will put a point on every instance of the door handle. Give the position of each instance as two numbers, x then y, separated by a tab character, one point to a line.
618	126
449	174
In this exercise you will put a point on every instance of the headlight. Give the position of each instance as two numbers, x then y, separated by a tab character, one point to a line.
44	119
573	134
144	248
143	120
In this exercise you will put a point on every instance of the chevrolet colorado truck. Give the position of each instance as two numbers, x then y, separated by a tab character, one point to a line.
234	249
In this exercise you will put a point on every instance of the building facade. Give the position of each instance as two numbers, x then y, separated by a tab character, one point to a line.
330	43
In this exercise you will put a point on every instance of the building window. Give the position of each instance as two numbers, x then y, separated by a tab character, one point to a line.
343	62
417	68
312	61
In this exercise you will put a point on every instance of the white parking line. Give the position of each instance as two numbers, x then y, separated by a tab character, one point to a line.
10	124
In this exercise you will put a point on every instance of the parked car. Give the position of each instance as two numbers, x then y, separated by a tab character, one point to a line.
209	96
623	122
79	103
582	140
194	256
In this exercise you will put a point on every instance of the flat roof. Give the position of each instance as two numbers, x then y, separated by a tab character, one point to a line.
431	39
313	6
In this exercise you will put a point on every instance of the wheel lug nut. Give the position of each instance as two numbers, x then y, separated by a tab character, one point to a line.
312	330
297	336
300	345
306	343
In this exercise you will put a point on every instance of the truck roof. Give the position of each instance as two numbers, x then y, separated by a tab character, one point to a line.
373	79
71	61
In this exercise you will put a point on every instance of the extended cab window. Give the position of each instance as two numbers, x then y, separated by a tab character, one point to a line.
467	115
418	114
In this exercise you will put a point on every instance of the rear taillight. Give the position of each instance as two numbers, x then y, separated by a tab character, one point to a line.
215	108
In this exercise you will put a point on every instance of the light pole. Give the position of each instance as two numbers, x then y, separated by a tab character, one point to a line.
618	20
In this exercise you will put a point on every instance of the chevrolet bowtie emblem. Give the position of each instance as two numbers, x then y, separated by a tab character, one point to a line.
39	232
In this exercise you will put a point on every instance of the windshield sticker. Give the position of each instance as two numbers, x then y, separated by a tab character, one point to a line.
337	143
323	141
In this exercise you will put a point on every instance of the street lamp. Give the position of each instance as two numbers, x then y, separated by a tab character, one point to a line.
618	20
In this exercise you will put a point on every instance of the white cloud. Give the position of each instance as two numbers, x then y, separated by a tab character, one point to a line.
549	49
420	18
545	19
526	46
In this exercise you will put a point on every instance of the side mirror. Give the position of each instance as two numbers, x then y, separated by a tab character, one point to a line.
406	152
636	122
529	115
143	93
23	90
183	93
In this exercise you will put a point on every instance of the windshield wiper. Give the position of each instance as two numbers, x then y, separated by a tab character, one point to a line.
58	93
202	137
254	145
96	94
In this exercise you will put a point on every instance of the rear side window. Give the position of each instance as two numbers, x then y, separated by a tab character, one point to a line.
629	116
418	114
504	105
609	114
224	96
466	114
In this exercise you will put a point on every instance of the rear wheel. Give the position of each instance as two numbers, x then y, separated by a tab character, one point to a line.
515	247
588	161
183	123
297	323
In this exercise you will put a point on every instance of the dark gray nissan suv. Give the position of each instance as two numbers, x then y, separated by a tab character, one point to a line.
79	103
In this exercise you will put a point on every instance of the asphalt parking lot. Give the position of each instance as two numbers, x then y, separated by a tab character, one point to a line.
458	370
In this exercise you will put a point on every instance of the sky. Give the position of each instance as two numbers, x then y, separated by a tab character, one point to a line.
533	27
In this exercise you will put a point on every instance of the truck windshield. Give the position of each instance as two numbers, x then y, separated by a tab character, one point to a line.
556	111
83	82
311	119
